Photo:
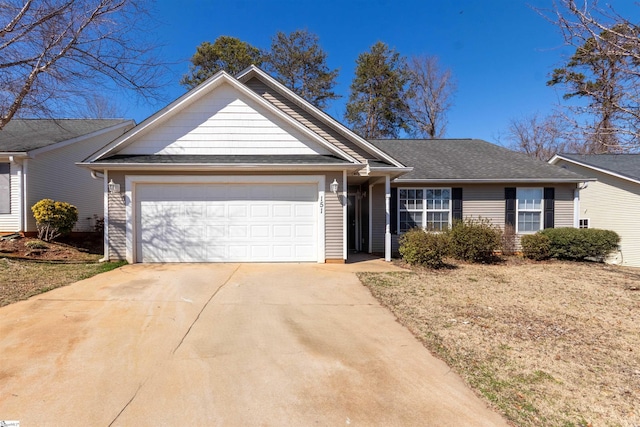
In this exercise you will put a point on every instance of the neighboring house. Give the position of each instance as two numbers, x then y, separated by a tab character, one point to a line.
244	170
37	161
613	201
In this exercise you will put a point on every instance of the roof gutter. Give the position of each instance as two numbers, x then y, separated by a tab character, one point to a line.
97	166
496	181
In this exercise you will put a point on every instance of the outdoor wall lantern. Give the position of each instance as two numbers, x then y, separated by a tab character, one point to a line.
113	187
334	186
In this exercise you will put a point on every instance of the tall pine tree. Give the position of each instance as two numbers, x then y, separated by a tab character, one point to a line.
226	53
376	106
299	62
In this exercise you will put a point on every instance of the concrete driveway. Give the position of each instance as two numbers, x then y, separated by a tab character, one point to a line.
223	344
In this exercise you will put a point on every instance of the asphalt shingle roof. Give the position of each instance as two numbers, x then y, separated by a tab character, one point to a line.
623	164
21	135
468	159
223	159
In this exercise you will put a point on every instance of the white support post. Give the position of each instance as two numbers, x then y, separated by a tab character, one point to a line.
345	225
576	208
387	209
370	218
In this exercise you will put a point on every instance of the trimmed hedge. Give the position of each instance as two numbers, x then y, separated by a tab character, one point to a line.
474	240
419	247
536	246
580	243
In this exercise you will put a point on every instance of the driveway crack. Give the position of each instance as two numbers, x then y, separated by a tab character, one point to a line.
204	307
127	404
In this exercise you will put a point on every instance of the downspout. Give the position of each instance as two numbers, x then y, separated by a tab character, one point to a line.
105	223
24	220
576	203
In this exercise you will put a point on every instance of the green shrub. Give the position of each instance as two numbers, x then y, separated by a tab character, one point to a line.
474	240
536	246
581	243
53	218
419	247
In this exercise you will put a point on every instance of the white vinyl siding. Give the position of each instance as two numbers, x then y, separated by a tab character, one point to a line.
54	175
612	203
10	222
307	119
226	123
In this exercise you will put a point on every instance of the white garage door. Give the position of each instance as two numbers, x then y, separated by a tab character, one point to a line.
226	222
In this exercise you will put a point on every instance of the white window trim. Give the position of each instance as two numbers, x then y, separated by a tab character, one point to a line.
424	209
584	219
518	210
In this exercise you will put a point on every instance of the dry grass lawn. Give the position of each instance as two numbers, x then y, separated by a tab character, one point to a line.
553	343
20	279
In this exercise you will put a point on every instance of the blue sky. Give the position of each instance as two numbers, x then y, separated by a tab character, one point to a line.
501	52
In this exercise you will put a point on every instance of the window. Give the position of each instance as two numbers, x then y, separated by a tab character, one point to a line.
529	209
583	223
5	188
429	208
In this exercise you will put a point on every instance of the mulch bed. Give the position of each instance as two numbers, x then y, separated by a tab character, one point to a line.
74	248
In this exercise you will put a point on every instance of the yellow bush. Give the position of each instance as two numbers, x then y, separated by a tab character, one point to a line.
54	218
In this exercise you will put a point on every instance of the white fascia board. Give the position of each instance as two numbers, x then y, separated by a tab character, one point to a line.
558	157
201	90
219	167
339	127
7	154
61	144
493	181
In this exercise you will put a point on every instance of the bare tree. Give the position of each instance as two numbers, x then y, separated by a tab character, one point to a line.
431	96
97	106
56	51
604	71
542	137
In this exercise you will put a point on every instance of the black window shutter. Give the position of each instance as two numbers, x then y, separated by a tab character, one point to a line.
549	207
456	201
393	207
510	206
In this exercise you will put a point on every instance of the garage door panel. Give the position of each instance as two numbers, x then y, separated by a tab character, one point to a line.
217	222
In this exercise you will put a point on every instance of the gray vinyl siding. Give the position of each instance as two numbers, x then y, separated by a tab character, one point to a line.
378	222
117	215
478	201
311	122
564	209
333	225
612	203
117	218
